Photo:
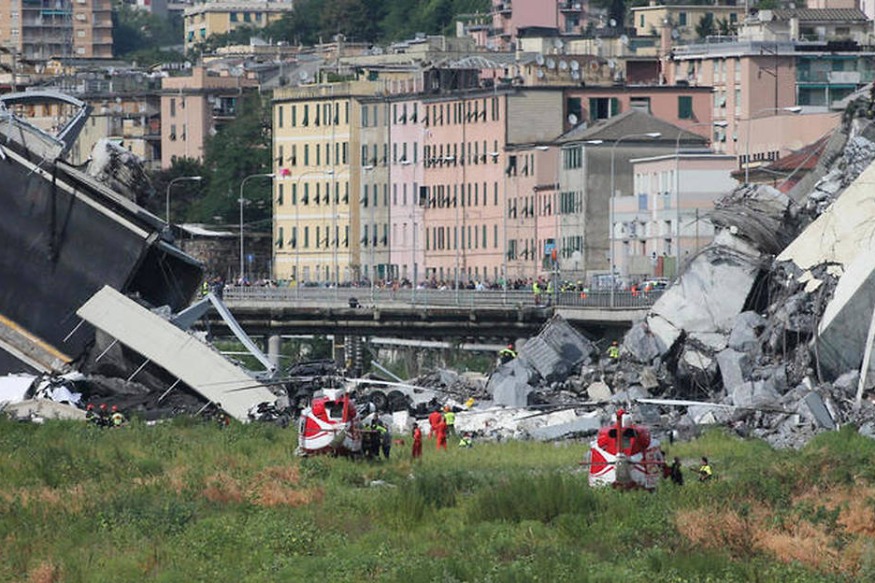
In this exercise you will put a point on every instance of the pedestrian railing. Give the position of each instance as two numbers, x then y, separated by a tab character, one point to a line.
362	296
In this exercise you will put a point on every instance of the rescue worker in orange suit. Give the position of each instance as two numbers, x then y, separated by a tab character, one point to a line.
433	419
417	441
441	434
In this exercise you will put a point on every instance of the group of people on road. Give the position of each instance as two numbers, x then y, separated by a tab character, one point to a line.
104	416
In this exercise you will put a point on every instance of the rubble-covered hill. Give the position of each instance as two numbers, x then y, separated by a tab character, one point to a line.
768	330
775	318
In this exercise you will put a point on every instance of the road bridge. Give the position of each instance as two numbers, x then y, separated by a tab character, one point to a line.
462	315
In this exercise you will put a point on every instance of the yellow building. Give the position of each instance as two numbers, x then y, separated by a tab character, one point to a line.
320	180
204	20
649	20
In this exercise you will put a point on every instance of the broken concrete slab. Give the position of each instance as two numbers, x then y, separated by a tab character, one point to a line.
38	410
755	395
842	232
844	326
598	391
713	341
582	425
645	345
746	332
713	289
196	364
511	384
813	407
735	367
556	350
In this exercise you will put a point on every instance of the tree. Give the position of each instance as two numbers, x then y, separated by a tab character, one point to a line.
184	194
136	31
705	27
239	149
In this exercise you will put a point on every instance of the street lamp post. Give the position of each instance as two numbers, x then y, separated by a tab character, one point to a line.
177	179
792	109
677	185
241	200
652	135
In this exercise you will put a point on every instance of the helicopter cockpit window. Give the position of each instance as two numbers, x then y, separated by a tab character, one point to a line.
628	435
335	410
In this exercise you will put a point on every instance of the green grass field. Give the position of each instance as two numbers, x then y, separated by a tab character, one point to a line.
188	501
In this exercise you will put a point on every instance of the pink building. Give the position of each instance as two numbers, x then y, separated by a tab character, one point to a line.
463	143
406	206
509	16
192	107
664	223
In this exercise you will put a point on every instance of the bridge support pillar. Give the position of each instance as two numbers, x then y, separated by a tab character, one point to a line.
274	349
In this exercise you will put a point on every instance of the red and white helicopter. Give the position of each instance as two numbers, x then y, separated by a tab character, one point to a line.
625	456
330	424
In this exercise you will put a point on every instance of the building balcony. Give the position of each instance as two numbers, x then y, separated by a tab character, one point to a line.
504	8
571	6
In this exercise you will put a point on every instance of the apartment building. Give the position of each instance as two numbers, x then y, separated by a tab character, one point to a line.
664	223
41	29
684	19
509	16
205	19
193	107
320	180
463	141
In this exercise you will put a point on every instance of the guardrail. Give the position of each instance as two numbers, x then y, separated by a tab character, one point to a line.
343	296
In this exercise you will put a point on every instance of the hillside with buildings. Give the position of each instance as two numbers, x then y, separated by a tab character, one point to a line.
534	143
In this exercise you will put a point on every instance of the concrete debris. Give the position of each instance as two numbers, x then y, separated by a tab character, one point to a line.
598	391
510	384
556	350
841	339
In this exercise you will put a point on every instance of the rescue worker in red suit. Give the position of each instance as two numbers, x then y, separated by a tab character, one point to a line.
417	441
441	433
433	419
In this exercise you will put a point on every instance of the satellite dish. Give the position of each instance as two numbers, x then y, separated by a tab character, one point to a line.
598	42
624	39
539	58
540	73
572	119
575	66
558	43
575	75
612	64
675	34
612	22
563	66
551	64
302	75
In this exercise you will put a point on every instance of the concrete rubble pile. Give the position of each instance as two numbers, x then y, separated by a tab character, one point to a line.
773	321
769	330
